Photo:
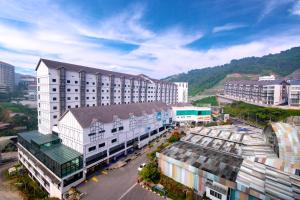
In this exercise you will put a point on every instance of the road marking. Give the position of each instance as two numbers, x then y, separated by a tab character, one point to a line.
127	191
95	179
104	172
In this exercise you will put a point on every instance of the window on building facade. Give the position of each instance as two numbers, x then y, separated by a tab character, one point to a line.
76	82
68	90
54	89
54	80
69	98
54	98
76	90
68	81
114	140
101	145
54	107
92	148
215	194
76	98
96	131
54	116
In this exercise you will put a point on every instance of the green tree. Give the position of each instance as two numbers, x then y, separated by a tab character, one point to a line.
150	173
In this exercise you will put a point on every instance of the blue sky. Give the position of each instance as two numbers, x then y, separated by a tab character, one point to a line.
154	37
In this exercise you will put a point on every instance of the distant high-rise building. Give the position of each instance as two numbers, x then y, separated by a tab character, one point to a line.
182	94
30	84
7	77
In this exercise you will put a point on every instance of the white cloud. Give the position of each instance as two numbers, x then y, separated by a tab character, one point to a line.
227	27
159	54
270	6
296	8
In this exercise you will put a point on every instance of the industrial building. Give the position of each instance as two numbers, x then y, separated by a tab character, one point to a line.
182	92
7	77
89	136
61	86
237	162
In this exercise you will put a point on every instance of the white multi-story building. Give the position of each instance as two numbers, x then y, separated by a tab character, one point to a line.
61	86
294	93
182	95
87	137
270	92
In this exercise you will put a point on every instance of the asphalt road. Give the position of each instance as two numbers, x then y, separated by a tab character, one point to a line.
118	184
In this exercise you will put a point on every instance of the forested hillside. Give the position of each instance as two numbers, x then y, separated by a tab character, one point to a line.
282	64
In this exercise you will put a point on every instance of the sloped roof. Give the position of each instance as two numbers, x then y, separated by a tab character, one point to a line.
78	68
105	114
288	137
294	82
253	82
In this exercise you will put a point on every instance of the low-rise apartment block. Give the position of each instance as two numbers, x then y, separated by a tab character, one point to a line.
265	92
294	93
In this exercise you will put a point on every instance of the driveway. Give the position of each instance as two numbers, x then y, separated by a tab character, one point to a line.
119	183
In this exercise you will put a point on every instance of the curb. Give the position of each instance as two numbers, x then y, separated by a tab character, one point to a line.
147	188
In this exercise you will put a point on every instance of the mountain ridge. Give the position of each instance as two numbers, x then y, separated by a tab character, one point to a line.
282	64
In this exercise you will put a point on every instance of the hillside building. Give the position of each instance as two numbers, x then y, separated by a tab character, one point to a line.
182	92
62	86
265	92
294	93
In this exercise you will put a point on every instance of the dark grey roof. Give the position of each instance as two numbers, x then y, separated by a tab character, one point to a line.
218	163
253	82
105	114
294	82
181	104
77	68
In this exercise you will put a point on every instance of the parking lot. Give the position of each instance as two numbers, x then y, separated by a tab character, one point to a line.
119	183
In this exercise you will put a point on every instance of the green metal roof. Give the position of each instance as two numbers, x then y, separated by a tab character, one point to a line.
61	153
38	138
58	152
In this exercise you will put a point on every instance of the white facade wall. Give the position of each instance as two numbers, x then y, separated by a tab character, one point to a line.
49	86
182	93
76	137
294	95
52	188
